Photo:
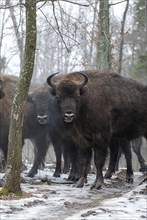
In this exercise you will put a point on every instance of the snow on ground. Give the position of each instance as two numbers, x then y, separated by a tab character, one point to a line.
130	206
56	200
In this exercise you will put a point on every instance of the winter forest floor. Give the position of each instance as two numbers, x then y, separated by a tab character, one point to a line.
55	199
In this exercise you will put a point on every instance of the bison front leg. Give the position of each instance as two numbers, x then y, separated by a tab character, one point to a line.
114	157
126	147
58	153
74	158
99	159
41	144
84	163
66	158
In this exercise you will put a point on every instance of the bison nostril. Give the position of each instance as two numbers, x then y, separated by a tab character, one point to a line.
42	119
69	116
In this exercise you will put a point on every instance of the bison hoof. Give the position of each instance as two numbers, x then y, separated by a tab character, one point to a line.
65	170
129	179
78	185
30	174
74	178
71	178
108	175
143	169
97	184
56	174
80	182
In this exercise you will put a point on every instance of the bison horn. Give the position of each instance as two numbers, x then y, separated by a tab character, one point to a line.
50	83
85	79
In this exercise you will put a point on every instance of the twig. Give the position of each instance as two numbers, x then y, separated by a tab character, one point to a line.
59	28
56	30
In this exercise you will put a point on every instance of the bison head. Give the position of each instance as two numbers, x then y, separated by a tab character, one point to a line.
67	91
39	101
1	90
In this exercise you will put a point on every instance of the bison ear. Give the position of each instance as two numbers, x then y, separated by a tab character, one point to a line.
30	99
2	94
82	90
1	85
52	91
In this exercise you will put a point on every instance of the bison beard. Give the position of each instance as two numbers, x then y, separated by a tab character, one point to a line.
105	106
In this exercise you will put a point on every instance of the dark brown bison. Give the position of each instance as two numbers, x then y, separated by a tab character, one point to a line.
39	127
8	83
96	106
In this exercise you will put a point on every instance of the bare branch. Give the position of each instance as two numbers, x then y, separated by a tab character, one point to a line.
42	4
75	3
117	3
66	28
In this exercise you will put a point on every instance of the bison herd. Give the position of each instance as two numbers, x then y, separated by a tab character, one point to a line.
81	114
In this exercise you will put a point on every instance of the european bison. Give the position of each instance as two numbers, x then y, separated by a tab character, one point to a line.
8	83
38	121
36	129
103	105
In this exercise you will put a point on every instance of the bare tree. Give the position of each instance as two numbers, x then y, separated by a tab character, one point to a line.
16	27
14	160
2	58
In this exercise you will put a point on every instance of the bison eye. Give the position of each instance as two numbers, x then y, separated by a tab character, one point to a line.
78	97
57	98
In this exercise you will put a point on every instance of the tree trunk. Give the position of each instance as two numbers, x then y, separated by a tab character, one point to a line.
14	161
103	46
122	38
